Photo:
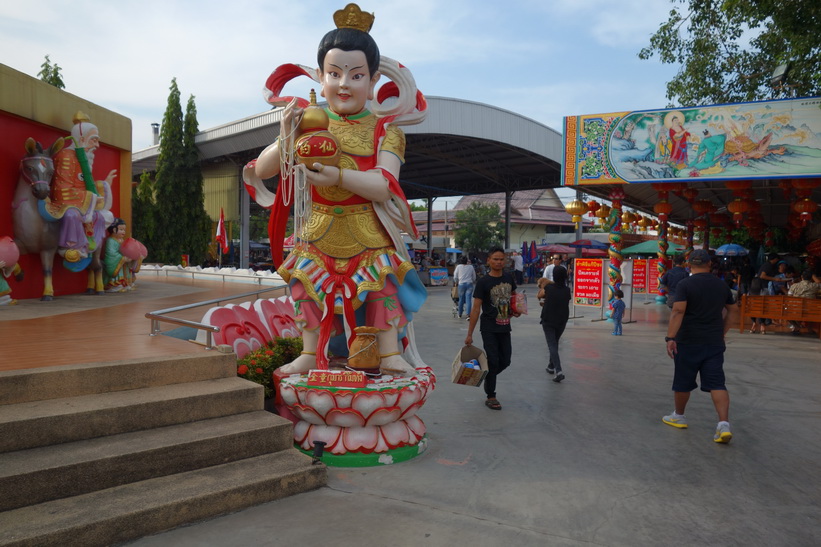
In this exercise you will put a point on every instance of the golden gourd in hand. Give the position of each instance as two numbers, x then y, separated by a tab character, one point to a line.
316	144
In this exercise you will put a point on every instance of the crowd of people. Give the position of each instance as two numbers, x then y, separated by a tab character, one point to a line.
776	277
703	298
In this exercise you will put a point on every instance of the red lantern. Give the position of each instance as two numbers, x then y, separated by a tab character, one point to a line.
738	207
703	206
700	224
663	209
809	184
690	194
805	208
739	187
593	206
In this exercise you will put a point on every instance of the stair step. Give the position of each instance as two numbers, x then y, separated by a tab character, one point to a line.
21	386
147	507
70	469
42	423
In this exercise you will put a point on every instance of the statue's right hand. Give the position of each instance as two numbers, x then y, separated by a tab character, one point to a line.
291	116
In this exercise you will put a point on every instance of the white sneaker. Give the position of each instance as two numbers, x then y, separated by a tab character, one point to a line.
675	421
723	433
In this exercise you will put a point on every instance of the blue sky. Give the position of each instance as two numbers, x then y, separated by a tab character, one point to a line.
544	59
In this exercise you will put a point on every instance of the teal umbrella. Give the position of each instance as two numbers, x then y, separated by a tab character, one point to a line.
651	248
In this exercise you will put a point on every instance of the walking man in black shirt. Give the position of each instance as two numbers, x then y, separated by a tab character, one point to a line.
492	299
695	341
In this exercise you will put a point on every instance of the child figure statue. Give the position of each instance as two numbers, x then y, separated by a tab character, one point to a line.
349	266
9	255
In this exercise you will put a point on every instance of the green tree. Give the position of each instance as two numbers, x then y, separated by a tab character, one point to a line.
51	74
417	207
478	227
728	49
171	227
143	211
258	224
200	226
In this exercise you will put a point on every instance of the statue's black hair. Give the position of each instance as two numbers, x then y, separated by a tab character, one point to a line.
349	39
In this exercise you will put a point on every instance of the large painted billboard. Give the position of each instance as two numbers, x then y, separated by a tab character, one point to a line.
758	140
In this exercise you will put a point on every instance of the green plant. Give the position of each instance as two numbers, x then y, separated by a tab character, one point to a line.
259	365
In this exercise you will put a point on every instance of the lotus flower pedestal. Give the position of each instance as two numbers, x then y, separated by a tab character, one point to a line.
361	427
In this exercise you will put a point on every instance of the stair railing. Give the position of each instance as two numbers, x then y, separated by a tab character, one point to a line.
159	316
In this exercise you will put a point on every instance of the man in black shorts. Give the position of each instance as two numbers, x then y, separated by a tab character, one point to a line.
695	341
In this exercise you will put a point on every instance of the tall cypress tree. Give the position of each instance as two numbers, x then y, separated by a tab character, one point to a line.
200	233
171	228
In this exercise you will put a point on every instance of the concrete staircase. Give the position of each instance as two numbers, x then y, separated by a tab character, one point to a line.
105	453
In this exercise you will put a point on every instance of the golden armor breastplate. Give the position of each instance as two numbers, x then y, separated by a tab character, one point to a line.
344	231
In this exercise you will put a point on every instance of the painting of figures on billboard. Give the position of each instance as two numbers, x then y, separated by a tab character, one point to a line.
769	139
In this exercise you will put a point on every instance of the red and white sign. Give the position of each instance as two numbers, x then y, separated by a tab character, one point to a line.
337	378
640	276
587	282
652	276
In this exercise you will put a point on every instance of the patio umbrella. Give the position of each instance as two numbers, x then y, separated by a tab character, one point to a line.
555	248
588	244
732	249
533	253
525	253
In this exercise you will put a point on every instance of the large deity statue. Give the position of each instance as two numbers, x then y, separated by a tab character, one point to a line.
349	267
77	201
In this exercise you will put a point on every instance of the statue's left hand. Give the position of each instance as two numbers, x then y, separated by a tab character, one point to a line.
323	175
110	178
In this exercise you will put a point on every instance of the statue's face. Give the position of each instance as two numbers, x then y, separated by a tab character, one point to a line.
346	82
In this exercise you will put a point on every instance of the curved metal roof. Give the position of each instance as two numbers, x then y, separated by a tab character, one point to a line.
461	148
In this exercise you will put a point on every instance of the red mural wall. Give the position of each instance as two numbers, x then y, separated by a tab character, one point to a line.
13	134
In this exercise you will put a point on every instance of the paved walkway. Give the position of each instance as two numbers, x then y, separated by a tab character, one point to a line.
585	462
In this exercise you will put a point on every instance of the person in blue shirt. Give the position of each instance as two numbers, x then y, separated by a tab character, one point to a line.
618	312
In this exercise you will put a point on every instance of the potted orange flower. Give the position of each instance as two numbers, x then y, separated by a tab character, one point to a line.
259	365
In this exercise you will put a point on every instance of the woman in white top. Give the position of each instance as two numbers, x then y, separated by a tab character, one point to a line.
464	276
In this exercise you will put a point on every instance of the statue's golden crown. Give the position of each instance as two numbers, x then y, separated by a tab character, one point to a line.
353	17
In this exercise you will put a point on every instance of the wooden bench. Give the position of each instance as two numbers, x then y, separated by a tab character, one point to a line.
781	308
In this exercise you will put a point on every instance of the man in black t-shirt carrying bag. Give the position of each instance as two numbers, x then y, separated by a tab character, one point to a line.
492	299
695	341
